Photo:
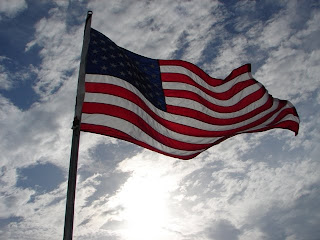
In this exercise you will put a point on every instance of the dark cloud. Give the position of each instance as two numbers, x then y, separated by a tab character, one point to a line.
111	154
109	184
297	221
222	230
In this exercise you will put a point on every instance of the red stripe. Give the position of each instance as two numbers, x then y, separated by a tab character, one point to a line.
291	125
253	97
287	124
283	114
177	77
187	130
131	117
121	135
238	87
130	96
238	71
218	121
212	81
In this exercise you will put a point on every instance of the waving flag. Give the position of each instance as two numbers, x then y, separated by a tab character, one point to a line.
172	106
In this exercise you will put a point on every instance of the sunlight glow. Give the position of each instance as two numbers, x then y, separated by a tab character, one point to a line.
145	207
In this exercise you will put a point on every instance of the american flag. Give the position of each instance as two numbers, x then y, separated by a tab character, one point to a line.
172	106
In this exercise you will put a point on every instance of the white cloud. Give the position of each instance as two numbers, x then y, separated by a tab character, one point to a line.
41	218
231	55
308	138
151	172
60	51
291	69
4	79
11	8
156	30
275	32
231	186
11	74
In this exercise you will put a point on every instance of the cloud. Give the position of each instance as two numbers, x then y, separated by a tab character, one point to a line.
60	53
154	172
4	79
295	221
223	230
40	135
40	218
12	74
252	186
10	8
291	69
275	32
157	29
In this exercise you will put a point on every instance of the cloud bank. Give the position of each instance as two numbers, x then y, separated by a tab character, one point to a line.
253	186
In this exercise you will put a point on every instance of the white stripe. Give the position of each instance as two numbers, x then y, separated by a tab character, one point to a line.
170	117
287	117
191	122
223	103
173	117
191	104
169	100
183	102
137	133
133	131
218	89
120	102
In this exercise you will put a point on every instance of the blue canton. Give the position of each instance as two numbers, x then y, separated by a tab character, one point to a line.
106	58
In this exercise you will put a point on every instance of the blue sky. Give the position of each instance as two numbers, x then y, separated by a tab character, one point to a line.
252	186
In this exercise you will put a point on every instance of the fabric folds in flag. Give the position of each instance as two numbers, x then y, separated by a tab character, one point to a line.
172	106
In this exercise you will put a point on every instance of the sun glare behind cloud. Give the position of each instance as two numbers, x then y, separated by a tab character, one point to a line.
144	199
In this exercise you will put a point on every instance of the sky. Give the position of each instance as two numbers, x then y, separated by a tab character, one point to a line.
252	186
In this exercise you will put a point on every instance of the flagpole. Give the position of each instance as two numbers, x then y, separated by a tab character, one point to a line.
72	180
